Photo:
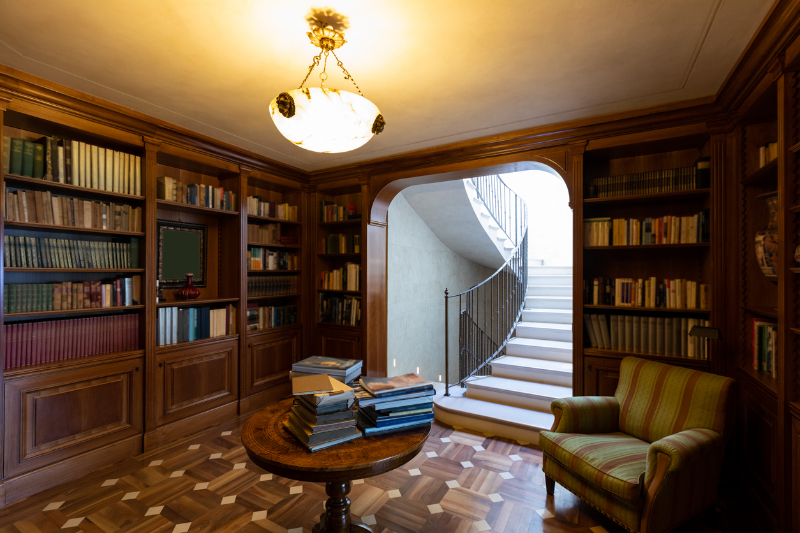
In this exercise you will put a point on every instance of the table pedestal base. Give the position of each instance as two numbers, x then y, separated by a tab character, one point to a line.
336	518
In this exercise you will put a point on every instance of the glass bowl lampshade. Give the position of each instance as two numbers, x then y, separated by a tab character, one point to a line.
326	120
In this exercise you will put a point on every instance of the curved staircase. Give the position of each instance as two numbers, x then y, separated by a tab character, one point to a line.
513	400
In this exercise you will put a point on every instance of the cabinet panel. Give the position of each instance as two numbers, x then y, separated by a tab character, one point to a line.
269	360
339	343
796	469
758	442
196	379
601	376
56	416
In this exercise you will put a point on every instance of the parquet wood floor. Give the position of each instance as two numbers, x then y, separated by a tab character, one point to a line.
461	482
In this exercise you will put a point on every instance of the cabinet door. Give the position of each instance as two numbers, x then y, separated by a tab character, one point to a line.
56	416
196	379
341	343
796	469
269	360
601	376
758	426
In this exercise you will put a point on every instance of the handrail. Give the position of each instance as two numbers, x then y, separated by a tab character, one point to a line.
489	311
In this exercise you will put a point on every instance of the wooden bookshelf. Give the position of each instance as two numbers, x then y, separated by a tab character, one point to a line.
333	291
650	246
189	208
682	361
70	229
256	219
88	310
647	309
648	198
272	297
197	303
342	256
196	344
337	223
273	271
766	175
24	182
275	245
84	270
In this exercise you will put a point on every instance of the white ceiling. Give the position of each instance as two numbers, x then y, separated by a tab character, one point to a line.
440	71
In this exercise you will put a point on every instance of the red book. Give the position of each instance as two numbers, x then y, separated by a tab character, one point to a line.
87	294
84	338
70	339
50	335
45	339
6	349
15	345
11	336
35	343
58	332
96	294
104	335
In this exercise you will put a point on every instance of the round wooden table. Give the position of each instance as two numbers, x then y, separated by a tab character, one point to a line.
274	449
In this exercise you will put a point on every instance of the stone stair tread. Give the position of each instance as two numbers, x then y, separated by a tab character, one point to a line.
534	364
558	311
519	388
551	297
564	345
545	325
495	412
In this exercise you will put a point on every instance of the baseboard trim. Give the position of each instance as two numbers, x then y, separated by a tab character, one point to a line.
189	426
18	488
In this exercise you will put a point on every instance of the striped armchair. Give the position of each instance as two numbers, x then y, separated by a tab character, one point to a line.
648	457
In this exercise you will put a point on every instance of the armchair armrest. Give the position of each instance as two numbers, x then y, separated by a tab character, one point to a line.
585	414
681	449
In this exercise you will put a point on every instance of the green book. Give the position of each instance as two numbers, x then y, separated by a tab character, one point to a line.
15	158
6	154
46	144
38	161
12	299
27	159
5	298
48	296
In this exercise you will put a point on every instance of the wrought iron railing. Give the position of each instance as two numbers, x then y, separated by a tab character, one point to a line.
507	209
488	312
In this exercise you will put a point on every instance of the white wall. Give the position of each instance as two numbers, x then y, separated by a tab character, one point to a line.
549	215
419	267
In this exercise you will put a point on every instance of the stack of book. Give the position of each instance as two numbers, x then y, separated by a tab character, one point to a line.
267	317
347	278
172	190
345	370
647	334
767	153
647	292
386	405
343	310
331	212
654	182
43	252
272	285
632	232
341	244
73	163
765	342
257	207
322	414
265	259
264	233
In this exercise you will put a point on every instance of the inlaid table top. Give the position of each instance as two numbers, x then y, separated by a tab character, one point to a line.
274	449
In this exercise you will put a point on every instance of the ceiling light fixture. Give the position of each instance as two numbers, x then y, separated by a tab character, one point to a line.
323	119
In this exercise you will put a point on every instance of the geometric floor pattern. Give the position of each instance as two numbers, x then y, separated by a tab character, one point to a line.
461	482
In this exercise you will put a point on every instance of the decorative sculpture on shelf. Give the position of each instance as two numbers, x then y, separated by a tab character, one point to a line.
189	291
767	239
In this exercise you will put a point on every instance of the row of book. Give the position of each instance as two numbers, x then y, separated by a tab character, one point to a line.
259	258
322	414
187	324
342	310
632	232
259	208
195	194
654	182
44	208
33	343
74	163
346	278
388	405
341	244
42	252
272	285
767	153
765	343
345	370
268	317
643	334
648	292
268	234
331	212
67	295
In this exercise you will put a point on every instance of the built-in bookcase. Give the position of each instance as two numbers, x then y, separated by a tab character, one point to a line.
651	188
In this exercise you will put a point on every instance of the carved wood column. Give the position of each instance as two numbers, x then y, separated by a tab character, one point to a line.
575	167
241	319
373	289
4	102
150	192
308	278
718	251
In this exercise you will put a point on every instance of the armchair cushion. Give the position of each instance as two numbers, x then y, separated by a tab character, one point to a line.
586	414
615	462
683	448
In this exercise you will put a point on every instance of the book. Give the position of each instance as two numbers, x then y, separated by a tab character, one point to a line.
406	383
311	442
338	392
369	430
327	365
316	384
311	416
6	154
652	182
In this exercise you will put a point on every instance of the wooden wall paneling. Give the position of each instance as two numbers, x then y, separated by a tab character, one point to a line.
757	428
338	341
270	358
717	254
795	409
374	301
237	261
195	379
787	295
576	154
150	278
3	105
54	417
601	376
308	276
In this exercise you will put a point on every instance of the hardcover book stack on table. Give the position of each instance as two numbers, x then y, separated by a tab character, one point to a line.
345	370
386	405
322	415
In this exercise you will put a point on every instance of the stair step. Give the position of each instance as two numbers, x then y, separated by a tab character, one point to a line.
552	270
524	394
552	316
548	302
535	262
540	349
548	279
549	290
535	370
544	330
513	423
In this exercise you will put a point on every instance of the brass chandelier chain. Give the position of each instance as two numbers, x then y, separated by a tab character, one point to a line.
315	63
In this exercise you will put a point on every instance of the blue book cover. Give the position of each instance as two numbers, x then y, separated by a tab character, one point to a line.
384	422
371	430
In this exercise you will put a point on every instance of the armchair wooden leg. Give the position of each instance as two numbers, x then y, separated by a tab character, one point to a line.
550	485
